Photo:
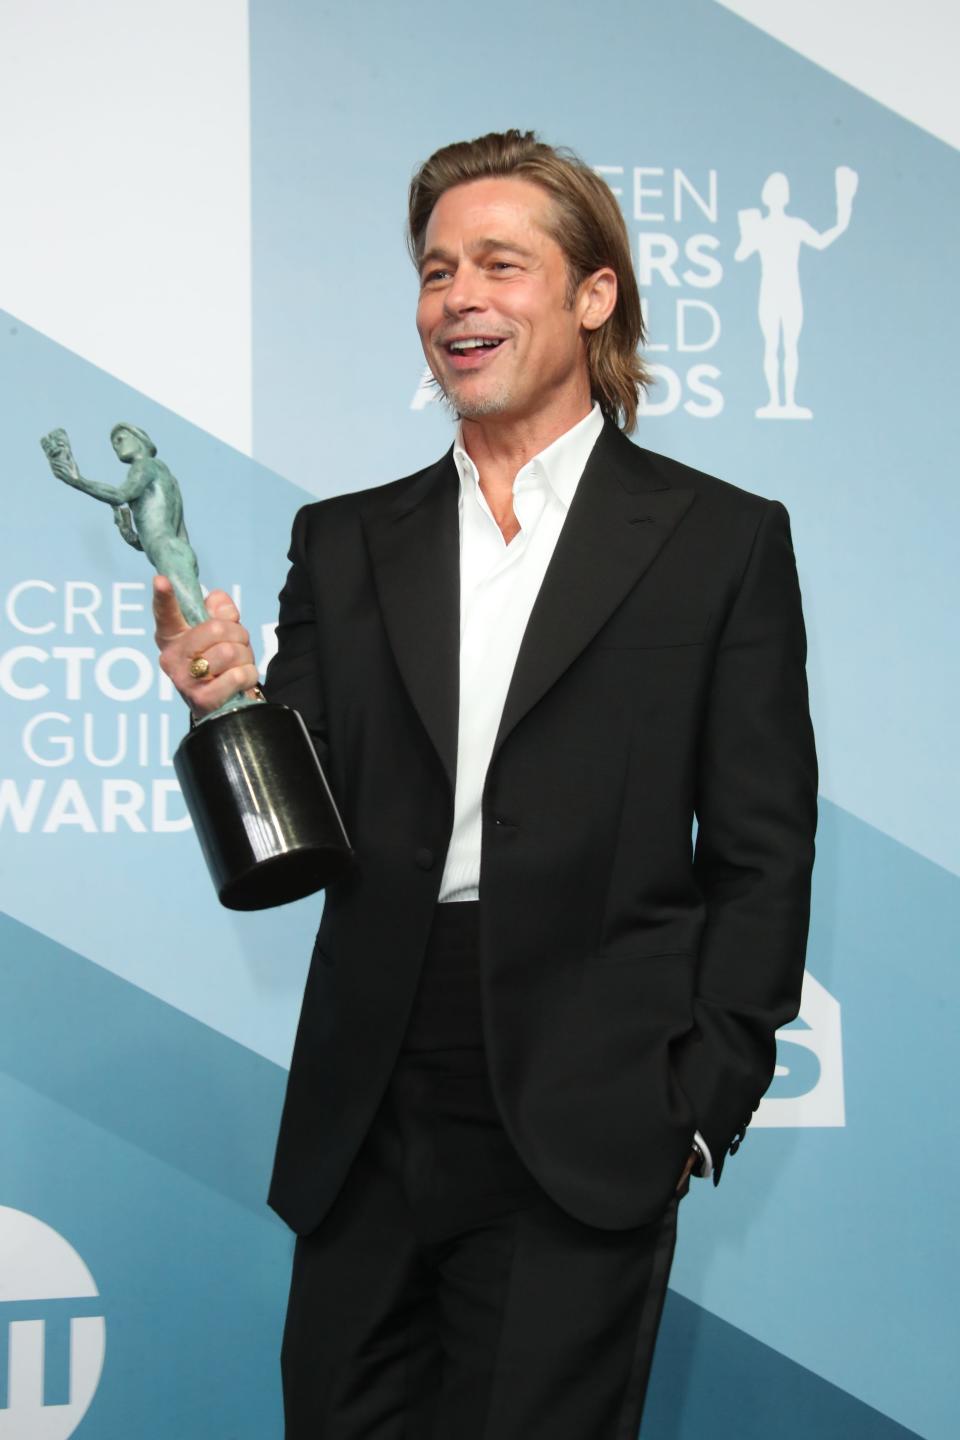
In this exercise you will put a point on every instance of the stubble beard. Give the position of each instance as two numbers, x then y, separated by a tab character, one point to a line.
463	407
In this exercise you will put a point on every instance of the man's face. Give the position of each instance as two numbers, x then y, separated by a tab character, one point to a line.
492	273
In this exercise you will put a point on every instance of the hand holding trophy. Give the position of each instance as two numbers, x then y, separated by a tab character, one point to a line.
267	823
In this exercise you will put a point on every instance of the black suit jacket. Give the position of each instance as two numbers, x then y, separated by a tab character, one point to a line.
631	984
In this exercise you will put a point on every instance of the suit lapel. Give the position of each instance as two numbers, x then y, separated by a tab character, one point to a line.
415	553
622	514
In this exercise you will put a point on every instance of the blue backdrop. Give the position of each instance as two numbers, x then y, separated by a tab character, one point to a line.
144	1032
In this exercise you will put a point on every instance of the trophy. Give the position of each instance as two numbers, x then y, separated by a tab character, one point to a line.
258	798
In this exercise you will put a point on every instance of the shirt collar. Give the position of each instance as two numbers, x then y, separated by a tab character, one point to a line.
561	463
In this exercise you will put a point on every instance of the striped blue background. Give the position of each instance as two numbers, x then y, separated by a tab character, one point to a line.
144	1033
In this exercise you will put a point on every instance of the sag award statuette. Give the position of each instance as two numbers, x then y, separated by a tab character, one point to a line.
259	801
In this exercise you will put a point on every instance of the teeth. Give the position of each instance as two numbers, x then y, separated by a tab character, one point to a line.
471	344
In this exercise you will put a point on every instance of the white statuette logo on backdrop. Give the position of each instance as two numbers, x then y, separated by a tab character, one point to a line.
52	1345
777	237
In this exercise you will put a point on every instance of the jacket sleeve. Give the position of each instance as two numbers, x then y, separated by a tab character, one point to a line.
293	675
756	811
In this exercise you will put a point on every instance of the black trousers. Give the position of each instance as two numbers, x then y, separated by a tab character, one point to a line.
445	1296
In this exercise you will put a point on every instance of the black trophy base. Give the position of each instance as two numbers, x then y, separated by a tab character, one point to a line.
267	824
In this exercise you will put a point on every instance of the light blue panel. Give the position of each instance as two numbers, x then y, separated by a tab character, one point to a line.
149	1074
839	1246
192	1289
347	99
145	1140
139	903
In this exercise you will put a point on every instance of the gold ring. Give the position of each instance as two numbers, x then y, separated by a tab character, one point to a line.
200	668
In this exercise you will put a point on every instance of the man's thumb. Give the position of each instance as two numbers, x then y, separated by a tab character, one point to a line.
166	610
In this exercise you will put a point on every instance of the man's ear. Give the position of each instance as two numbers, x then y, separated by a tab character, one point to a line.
598	298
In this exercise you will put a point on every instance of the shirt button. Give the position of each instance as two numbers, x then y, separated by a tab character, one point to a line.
424	858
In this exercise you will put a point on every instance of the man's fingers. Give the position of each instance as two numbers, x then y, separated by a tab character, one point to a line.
220	605
169	618
178	651
167	615
222	641
207	695
226	656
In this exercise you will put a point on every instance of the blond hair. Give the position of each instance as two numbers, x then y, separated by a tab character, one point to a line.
586	223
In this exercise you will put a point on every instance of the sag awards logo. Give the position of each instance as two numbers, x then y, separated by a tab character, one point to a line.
807	1088
51	1338
96	720
677	268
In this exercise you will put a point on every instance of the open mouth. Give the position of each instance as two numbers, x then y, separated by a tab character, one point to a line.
471	351
475	342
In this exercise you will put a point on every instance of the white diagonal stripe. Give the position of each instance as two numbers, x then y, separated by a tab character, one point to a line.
125	163
902	55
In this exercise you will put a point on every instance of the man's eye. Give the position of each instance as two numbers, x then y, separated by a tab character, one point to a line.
434	275
504	265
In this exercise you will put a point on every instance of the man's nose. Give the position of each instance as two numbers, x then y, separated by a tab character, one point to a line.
465	292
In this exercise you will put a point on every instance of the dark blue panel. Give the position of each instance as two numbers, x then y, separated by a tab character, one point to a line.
137	1067
711	1379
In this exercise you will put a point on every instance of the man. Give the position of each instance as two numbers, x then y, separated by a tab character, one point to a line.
532	1008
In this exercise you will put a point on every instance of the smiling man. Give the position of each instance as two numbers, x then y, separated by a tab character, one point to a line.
501	324
534	1008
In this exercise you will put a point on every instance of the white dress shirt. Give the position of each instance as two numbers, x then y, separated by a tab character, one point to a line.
499	583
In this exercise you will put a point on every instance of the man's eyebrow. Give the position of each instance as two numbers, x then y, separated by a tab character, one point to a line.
490	242
487	243
428	256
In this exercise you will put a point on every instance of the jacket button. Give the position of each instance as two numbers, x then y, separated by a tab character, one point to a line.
424	858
